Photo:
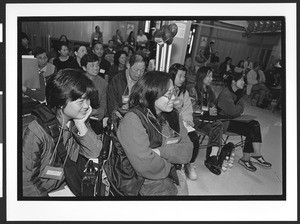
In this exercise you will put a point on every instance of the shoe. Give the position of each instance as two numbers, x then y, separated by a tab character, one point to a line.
260	161
247	164
190	171
212	164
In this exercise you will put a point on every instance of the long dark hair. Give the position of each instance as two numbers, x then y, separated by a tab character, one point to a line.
118	55
69	85
151	86
235	76
200	76
173	73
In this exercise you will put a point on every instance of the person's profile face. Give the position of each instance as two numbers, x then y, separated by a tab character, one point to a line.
126	49
42	60
180	78
81	52
137	70
98	50
165	103
208	78
240	83
188	62
151	65
92	68
122	59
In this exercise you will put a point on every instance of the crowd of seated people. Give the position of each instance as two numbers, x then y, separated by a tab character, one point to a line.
166	112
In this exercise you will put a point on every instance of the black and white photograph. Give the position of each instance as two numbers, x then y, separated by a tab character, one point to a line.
184	110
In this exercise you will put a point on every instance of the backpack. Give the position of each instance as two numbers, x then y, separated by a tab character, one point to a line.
73	171
123	179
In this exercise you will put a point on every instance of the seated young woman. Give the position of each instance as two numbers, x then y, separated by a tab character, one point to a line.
184	105
207	106
230	104
68	96
153	135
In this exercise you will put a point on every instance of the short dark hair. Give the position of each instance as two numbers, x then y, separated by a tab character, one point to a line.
118	55
61	43
90	57
188	56
95	43
67	40
69	85
24	35
133	60
234	76
173	72
151	86
38	50
77	46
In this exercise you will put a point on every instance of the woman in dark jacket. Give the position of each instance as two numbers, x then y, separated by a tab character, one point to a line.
230	104
153	135
206	104
226	68
68	96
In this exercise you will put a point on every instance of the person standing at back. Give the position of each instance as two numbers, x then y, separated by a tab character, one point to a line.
131	39
96	36
118	40
141	39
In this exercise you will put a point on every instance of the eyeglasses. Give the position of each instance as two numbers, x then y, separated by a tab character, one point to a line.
169	94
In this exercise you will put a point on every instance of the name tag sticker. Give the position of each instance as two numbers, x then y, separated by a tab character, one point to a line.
204	108
170	141
102	71
51	172
125	99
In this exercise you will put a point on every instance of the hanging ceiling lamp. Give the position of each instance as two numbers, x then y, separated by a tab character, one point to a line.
262	26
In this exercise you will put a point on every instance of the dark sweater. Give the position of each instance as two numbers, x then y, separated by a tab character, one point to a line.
230	103
115	91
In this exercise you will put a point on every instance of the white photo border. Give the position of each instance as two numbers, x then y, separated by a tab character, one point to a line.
150	210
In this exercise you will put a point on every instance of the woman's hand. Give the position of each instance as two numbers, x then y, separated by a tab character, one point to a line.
24	88
190	123
80	123
213	111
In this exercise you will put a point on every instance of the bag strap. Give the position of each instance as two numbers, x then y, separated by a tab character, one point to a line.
47	119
